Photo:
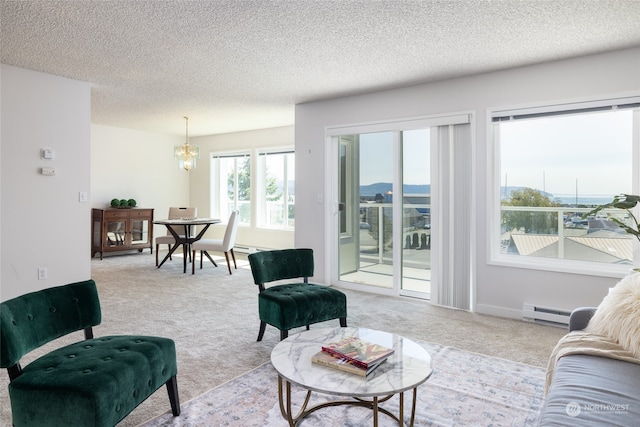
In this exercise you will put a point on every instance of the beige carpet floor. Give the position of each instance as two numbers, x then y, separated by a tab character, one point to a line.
213	319
465	390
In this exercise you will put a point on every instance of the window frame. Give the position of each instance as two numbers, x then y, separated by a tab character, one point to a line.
216	184
494	184
257	202
261	155
443	285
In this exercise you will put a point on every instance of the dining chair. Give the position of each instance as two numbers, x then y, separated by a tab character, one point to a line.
175	213
219	245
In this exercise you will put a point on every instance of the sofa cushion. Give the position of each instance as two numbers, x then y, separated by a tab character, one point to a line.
292	305
95	382
593	391
618	316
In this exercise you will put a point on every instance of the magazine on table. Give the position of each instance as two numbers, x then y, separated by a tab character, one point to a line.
329	360
359	352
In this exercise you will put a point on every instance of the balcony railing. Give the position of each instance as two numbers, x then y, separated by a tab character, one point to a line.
563	233
376	231
547	232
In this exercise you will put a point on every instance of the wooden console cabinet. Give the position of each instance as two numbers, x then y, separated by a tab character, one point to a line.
121	230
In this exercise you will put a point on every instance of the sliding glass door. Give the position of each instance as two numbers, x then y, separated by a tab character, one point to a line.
372	251
403	215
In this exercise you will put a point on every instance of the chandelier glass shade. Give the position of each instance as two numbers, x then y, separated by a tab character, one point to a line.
186	154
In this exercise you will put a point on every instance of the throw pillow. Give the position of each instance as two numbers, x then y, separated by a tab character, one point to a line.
618	315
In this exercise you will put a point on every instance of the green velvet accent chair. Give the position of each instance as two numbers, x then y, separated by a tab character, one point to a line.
298	303
94	382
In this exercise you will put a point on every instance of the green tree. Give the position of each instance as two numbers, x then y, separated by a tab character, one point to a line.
244	183
530	221
243	169
272	192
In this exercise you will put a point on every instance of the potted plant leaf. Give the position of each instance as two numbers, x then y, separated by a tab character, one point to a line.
626	202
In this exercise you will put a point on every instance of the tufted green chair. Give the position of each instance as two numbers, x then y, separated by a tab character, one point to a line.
95	382
291	305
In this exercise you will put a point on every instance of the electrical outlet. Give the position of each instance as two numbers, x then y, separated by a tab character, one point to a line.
48	171
42	273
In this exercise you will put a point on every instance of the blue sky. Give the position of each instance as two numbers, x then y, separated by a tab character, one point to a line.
554	153
376	157
592	152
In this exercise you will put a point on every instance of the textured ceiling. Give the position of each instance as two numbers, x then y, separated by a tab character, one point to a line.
239	65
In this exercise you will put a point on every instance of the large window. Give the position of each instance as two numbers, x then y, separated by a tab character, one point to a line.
259	184
231	179
276	188
553	166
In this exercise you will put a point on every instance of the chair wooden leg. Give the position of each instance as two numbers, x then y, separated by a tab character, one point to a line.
157	247
226	255
174	399
283	335
233	255
263	326
193	264
343	322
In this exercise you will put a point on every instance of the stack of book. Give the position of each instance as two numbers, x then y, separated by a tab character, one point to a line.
351	354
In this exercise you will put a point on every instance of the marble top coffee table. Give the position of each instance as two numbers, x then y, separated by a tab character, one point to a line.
406	369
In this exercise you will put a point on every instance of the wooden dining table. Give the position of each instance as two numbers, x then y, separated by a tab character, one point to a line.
188	237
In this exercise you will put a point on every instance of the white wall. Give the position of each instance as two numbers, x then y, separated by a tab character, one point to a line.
131	164
121	163
42	222
201	189
500	290
140	165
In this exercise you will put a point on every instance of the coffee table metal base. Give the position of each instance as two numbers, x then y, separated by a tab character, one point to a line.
284	398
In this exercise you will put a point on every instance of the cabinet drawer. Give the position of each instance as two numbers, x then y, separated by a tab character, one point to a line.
146	213
116	213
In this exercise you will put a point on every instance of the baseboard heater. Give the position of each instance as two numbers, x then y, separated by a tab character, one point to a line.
546	315
248	249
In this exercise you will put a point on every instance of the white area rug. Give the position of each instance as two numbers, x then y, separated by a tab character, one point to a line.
465	389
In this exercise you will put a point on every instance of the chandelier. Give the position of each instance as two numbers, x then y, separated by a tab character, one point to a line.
186	154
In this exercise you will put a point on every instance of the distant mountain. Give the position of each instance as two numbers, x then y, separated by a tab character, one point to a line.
505	192
384	187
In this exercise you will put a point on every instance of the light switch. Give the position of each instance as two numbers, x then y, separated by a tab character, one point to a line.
48	171
47	154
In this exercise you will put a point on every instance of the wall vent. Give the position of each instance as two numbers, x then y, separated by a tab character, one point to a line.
243	249
247	249
546	315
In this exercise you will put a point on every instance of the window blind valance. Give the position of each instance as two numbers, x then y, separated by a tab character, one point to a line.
551	111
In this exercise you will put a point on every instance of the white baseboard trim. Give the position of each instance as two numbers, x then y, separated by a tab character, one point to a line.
492	310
